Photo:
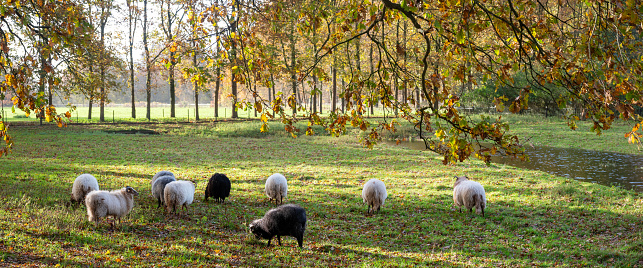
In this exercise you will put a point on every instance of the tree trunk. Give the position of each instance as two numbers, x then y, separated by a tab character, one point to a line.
216	93
255	97
271	88
131	32
358	96
333	104
372	90
397	56
233	58
43	76
344	98
196	86
405	91
89	115
148	67
104	14
293	75
321	97
170	39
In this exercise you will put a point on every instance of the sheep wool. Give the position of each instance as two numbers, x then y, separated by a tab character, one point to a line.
374	194
276	188
117	203
469	194
158	188
83	184
160	174
286	220
218	187
179	193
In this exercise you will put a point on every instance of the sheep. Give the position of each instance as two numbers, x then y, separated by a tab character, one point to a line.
374	194
286	220
159	186
469	194
117	203
83	184
179	193
276	188
218	187
160	174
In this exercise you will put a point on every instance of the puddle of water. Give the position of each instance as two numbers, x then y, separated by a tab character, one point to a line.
622	170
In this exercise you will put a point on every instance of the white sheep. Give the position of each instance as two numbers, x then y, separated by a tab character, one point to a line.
469	194
160	174
179	193
276	188
374	194
83	184
116	203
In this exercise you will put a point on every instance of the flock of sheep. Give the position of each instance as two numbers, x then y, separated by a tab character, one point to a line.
284	220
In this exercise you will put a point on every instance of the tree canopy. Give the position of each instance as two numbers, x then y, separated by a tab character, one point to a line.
564	53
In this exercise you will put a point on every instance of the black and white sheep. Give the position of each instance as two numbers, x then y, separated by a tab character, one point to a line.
218	187
469	194
117	203
158	188
83	184
179	193
286	220
160	174
374	194
276	188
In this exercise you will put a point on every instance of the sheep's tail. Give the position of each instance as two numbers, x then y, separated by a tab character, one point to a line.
479	203
92	206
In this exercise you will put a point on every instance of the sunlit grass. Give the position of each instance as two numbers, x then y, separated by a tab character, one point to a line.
533	218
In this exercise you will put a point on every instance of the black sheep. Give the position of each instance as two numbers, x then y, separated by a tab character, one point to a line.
286	220
218	187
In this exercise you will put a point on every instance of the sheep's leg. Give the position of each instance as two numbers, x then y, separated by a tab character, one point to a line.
470	210
279	239
300	240
159	203
482	212
269	239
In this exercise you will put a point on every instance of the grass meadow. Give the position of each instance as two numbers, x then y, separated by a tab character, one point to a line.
533	219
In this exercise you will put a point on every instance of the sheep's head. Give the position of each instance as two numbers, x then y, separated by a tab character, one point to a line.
131	191
458	180
257	229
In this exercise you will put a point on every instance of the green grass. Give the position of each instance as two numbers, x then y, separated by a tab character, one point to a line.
124	114
532	218
554	132
538	130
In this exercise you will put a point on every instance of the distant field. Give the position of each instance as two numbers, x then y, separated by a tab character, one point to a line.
158	113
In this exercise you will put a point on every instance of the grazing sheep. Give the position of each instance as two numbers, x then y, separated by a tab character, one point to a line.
116	203
160	174
469	194
276	188
218	187
83	184
179	193
158	188
374	194
286	220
